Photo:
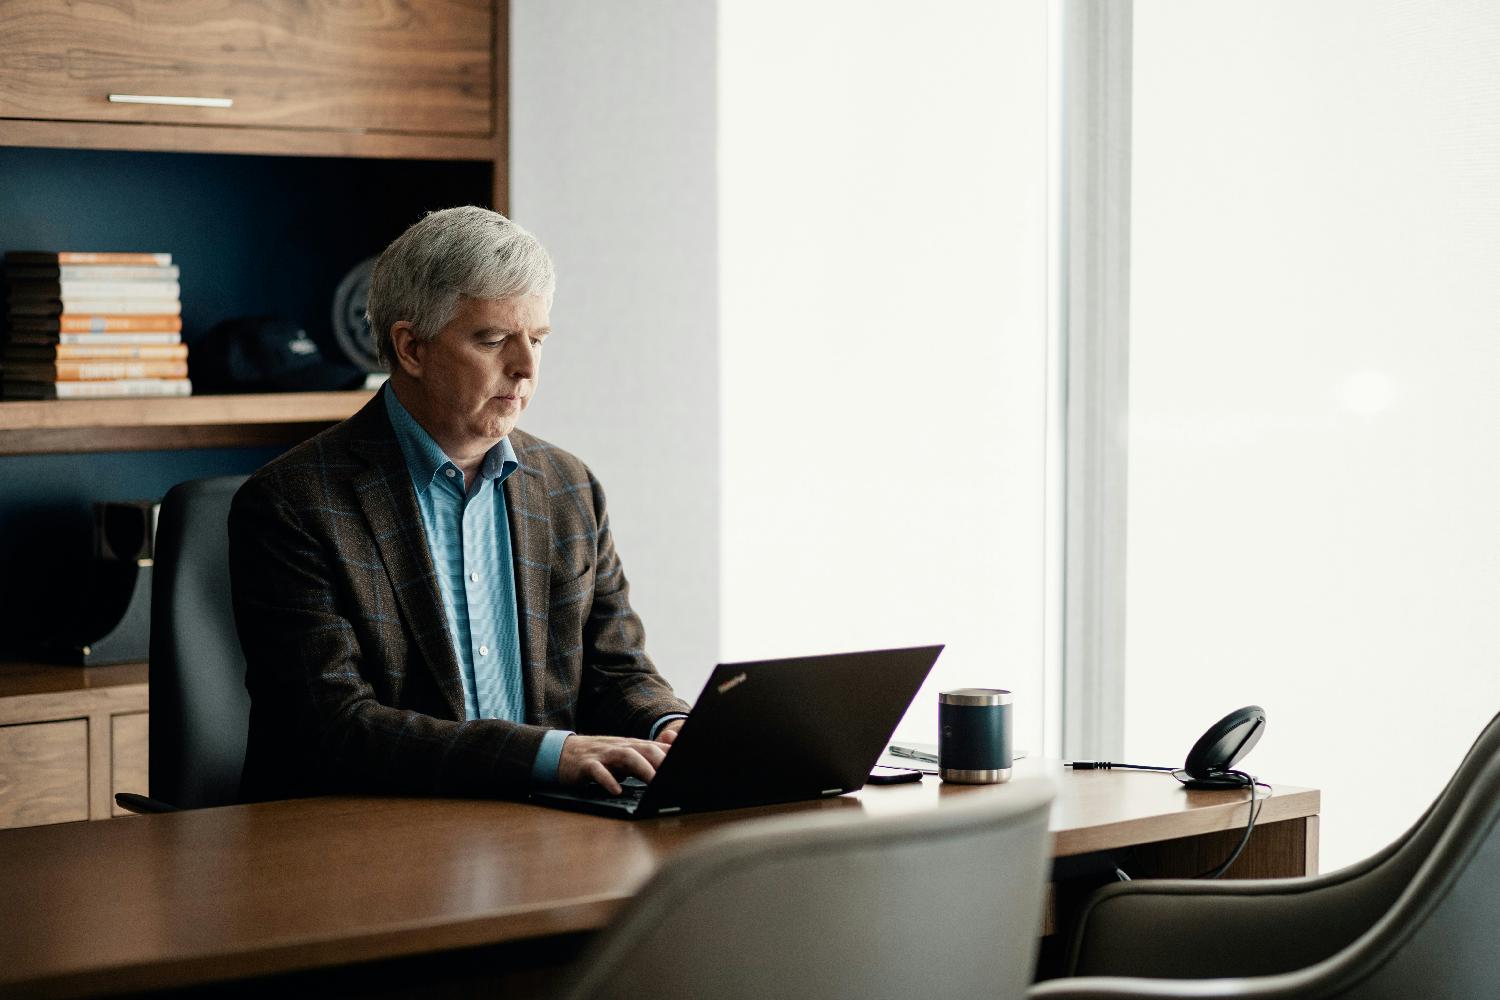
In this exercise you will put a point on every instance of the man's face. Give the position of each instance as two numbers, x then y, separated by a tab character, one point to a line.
480	371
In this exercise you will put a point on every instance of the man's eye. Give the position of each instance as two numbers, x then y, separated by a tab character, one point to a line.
536	341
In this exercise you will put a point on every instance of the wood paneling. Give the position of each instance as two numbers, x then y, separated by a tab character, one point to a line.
129	762
44	773
378	65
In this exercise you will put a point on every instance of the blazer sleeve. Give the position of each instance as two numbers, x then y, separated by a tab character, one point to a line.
621	691
316	723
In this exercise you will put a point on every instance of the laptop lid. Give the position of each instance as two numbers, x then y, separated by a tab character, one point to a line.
787	730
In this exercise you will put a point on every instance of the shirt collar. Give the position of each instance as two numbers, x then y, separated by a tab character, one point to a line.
424	459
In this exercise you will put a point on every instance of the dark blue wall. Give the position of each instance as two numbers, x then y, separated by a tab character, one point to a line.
253	235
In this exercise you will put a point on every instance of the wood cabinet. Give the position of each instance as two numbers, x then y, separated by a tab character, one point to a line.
70	737
378	77
355	78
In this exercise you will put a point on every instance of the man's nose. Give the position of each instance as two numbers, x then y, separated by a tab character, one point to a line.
522	361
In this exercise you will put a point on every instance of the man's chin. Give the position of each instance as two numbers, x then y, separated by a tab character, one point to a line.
496	429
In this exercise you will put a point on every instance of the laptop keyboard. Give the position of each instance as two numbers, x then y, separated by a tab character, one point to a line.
631	790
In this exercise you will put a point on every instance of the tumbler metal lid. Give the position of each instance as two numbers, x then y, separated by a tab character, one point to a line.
974	697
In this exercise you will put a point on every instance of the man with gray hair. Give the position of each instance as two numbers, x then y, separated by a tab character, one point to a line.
429	599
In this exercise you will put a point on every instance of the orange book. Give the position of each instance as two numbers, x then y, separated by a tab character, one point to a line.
86	257
90	371
19	352
96	323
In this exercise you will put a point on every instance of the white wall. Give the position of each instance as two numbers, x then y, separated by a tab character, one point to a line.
1315	346
613	167
882	273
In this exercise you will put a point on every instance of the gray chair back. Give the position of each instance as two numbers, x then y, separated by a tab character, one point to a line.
1419	919
200	710
834	904
1317	916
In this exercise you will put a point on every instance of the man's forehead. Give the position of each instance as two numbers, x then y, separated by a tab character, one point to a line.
521	312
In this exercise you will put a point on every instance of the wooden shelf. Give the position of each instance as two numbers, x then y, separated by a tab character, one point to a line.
147	424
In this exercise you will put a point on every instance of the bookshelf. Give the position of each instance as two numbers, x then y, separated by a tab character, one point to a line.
344	123
145	424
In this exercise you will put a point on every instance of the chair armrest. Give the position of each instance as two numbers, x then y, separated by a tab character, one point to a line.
1180	929
141	805
1119	988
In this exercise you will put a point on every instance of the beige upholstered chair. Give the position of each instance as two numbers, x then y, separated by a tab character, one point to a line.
1421	919
945	903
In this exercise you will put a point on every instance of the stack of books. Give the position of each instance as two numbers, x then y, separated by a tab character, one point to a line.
92	324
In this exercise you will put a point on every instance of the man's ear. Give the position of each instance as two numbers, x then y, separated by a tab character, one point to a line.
409	349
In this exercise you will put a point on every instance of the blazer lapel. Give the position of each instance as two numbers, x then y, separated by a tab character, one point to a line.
389	504
531	552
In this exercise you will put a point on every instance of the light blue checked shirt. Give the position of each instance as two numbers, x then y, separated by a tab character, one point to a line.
468	534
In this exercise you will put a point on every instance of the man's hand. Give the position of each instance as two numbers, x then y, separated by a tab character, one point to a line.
668	733
603	758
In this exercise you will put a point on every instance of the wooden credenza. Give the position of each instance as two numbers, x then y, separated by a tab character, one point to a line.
70	737
268	76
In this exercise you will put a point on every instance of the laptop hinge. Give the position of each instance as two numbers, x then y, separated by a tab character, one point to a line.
832	791
664	810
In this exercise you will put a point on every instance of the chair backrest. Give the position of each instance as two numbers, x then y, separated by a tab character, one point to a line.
833	904
1437	939
200	710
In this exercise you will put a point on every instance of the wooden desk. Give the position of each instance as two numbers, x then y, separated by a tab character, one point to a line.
394	892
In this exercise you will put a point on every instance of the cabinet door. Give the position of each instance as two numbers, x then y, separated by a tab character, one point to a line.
374	65
44	773
130	771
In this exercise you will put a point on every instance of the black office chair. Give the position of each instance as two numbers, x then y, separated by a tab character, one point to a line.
837	904
1418	919
200	710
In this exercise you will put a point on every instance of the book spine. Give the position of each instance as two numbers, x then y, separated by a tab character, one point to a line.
90	257
91	272
95	307
92	371
134	337
124	387
93	290
106	323
96	352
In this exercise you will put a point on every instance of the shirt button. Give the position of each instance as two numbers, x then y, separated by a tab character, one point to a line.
484	651
450	473
473	577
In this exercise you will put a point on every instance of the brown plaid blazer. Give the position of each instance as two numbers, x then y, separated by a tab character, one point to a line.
354	683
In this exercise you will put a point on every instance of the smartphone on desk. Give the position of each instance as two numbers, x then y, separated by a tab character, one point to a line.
884	774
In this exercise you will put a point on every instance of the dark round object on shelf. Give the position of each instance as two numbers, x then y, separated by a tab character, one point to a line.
264	354
349	323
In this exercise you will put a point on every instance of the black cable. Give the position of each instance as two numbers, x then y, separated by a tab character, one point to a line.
1247	781
1250	781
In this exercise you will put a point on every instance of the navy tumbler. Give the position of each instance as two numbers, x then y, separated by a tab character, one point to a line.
974	736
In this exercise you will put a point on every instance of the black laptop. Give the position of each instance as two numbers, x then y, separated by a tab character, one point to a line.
772	731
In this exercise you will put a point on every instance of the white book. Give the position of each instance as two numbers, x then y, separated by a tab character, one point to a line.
67	290
97	390
91	272
97	307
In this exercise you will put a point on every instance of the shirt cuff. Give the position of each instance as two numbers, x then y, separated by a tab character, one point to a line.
656	727
544	768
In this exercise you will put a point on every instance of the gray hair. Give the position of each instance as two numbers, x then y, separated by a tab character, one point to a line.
445	256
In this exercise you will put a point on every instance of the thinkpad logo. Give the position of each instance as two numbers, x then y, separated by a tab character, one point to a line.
733	682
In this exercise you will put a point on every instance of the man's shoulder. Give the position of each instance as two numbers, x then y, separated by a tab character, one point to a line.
331	456
539	457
